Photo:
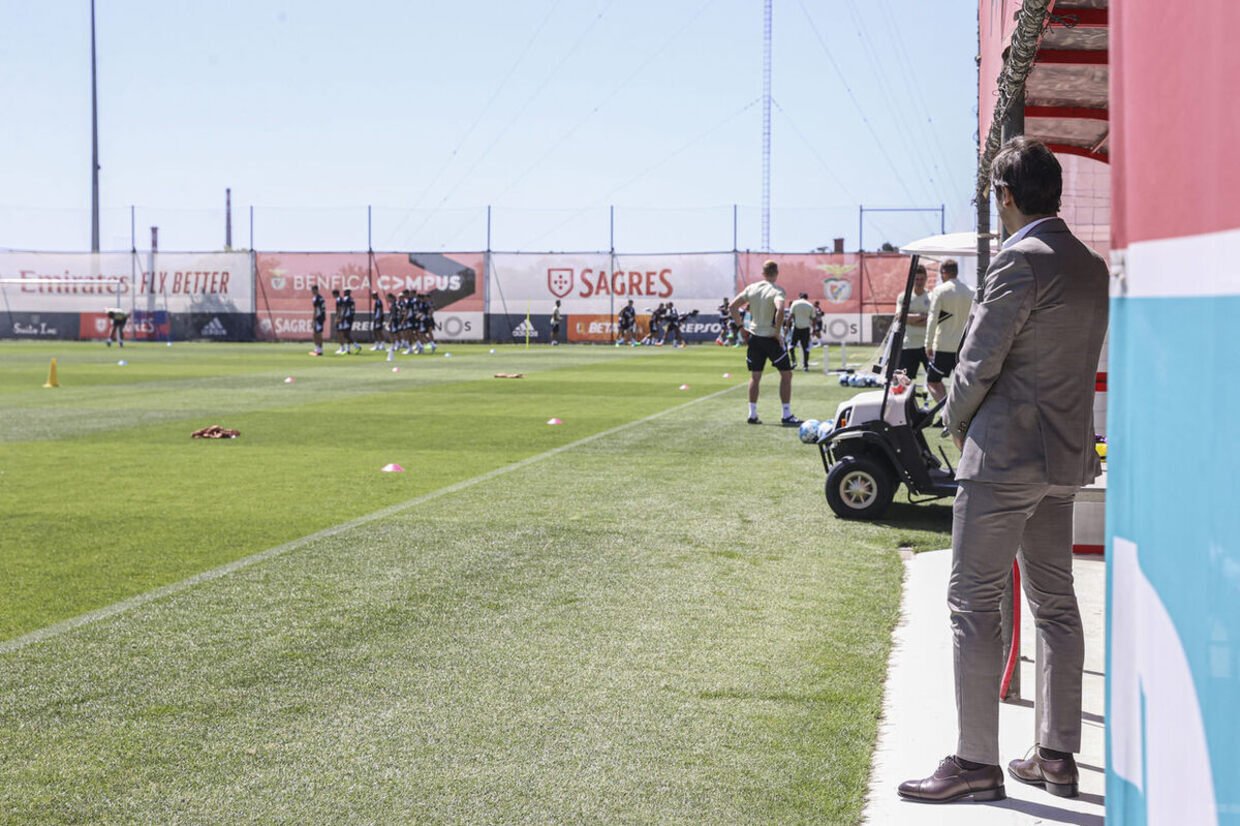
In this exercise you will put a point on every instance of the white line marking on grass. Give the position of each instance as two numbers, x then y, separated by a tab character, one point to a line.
123	606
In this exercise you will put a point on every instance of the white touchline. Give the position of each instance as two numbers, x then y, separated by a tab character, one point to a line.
121	607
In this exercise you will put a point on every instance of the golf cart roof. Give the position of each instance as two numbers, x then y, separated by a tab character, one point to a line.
951	245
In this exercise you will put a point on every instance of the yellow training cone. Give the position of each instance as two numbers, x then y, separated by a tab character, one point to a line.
52	380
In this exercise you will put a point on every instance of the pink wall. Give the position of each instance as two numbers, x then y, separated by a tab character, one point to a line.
1174	142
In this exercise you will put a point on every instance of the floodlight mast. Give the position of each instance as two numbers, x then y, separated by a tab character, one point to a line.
766	128
94	140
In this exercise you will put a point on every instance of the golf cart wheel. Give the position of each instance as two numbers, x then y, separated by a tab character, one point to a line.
859	488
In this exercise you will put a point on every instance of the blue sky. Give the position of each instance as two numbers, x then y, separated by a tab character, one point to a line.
551	111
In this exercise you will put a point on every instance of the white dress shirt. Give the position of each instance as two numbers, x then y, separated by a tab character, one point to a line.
1025	230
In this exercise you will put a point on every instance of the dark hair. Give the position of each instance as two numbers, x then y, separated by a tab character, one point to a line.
805	295
949	265
1031	172
921	270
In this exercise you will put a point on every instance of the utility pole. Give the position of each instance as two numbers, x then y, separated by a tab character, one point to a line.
228	219
766	128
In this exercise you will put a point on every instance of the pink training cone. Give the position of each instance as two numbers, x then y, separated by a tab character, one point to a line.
395	369
288	380
727	375
554	421
684	387
393	468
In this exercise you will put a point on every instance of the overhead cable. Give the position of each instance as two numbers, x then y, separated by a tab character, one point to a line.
469	132
814	151
905	129
878	141
607	196
572	50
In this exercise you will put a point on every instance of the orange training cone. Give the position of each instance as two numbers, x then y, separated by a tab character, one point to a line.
52	379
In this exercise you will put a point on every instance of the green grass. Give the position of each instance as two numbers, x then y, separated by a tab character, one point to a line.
664	624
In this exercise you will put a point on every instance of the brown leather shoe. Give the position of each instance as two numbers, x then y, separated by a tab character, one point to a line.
1060	777
952	781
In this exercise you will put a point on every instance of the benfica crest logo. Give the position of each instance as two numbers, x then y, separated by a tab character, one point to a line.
837	290
559	281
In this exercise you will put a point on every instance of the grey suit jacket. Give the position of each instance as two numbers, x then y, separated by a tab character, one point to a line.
1023	389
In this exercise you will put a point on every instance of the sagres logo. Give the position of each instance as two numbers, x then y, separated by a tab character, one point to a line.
560	281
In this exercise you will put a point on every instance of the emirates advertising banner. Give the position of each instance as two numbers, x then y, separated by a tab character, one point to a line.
453	280
174	282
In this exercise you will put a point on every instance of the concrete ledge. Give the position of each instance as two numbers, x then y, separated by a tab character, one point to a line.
919	714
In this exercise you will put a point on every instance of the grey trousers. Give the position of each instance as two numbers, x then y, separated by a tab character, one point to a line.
990	522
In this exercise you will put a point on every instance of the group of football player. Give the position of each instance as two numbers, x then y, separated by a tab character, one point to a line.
406	324
665	321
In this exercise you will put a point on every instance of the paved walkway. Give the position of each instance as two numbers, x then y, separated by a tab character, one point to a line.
919	715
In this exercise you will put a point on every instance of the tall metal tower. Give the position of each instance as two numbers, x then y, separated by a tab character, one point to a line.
766	129
94	140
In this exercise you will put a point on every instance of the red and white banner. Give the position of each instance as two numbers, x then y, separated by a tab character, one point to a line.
141	326
597	284
531	282
883	279
693	282
839	283
454	281
179	282
833	281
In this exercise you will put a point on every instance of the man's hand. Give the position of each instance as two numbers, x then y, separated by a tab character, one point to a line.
959	440
744	335
929	354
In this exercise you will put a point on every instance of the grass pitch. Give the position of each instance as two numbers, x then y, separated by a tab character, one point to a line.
661	624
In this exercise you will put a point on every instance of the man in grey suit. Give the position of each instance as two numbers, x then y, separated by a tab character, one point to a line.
1021	409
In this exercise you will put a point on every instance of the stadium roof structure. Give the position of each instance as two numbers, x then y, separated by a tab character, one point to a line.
1056	64
1066	92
